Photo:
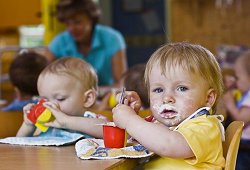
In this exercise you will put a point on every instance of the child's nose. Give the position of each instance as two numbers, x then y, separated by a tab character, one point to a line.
168	98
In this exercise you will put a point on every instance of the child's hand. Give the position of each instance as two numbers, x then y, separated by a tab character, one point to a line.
122	114
26	111
228	98
132	99
60	117
27	128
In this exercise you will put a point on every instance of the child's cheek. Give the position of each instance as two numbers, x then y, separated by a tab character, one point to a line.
188	106
155	100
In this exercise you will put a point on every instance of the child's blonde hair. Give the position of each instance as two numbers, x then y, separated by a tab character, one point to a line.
192	58
76	68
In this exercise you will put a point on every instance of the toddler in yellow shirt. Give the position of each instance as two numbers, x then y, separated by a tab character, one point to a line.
184	83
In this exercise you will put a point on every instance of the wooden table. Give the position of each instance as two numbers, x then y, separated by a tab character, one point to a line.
13	157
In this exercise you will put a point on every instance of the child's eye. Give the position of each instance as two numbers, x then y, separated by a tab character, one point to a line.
182	88
158	90
60	99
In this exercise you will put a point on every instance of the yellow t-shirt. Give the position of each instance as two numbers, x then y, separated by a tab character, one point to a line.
204	138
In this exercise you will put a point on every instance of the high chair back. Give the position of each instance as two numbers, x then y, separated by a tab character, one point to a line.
231	144
10	122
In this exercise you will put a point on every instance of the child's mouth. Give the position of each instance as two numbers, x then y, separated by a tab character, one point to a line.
165	111
168	114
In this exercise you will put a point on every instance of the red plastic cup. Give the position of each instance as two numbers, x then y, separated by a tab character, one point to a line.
114	137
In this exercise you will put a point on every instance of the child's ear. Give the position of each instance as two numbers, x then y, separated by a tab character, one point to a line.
18	93
211	97
90	98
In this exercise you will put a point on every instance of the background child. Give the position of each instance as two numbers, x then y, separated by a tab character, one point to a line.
23	73
229	81
69	85
132	80
240	110
181	78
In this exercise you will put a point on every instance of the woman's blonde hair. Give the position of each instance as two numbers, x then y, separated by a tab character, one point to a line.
192	58
74	67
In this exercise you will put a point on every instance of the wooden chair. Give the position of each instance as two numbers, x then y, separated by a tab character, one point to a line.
10	122
231	144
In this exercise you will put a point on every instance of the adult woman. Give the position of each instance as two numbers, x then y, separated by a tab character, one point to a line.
99	45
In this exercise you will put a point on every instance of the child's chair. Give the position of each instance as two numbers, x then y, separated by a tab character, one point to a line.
231	144
10	122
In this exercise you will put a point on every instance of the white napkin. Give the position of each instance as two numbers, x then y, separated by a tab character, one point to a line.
95	149
54	136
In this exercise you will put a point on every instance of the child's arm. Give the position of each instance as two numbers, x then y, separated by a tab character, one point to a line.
237	114
27	128
90	126
156	137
